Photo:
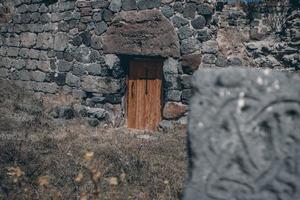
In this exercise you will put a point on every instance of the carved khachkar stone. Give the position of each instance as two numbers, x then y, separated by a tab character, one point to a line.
244	135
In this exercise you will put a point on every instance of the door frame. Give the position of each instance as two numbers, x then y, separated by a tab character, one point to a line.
125	62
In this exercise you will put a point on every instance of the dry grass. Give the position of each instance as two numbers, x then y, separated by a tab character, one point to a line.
42	159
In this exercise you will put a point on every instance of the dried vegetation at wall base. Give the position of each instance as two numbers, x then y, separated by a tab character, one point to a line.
44	159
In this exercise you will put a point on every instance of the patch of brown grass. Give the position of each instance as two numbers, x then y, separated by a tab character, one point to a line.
70	160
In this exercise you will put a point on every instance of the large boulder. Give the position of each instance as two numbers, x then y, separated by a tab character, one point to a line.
244	135
145	32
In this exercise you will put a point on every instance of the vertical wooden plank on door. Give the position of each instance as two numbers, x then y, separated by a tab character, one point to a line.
154	94
136	99
130	97
144	94
141	98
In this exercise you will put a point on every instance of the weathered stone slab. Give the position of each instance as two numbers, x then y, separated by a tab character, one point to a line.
171	66
3	72
44	41
38	86
129	4
147	4
244	135
28	39
115	5
72	80
145	32
38	76
100	84
173	95
60	41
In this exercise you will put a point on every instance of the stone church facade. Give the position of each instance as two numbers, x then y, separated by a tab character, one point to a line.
84	49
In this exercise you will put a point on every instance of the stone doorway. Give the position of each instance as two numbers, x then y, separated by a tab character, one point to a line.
144	93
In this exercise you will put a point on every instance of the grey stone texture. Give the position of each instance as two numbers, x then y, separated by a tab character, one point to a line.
3	72
72	80
205	9
107	15
82	54
243	135
60	41
11	40
38	76
23	75
167	11
58	78
98	113
186	81
209	59
234	61
129	5
179	21
148	4
44	66
100	28
115	5
172	81
210	47
199	22
39	86
64	66
189	46
189	10
45	41
173	95
171	66
184	32
95	69
79	69
12	51
18	64
97	16
221	61
186	95
178	6
102	85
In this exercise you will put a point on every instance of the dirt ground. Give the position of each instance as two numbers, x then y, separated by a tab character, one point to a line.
41	158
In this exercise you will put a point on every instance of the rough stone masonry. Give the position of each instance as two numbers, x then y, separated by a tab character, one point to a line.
75	47
64	47
244	135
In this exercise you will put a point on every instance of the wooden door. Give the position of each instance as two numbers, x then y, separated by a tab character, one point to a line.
144	97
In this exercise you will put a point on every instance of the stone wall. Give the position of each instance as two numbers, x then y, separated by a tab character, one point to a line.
69	47
80	48
243	135
262	35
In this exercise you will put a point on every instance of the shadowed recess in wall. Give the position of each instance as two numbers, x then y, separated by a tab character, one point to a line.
49	2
